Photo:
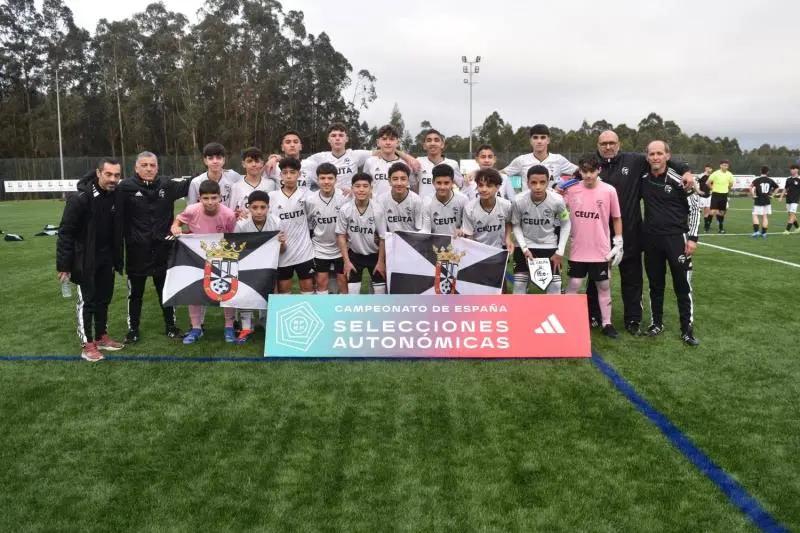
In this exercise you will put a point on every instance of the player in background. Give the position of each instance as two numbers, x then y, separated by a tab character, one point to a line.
361	230
254	180
377	166
486	158
535	215
401	206
762	189
443	212
704	196
322	209
288	204
291	146
720	182
207	216
260	219
556	164
791	191
487	219
592	204
422	180
214	160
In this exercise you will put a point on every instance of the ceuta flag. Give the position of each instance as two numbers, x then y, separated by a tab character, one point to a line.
223	269
422	263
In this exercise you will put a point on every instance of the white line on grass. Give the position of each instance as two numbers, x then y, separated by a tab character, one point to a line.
781	261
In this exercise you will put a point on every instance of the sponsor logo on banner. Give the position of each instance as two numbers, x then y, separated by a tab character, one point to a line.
541	273
221	272
428	326
447	260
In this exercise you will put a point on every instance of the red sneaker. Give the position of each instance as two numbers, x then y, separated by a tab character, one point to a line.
91	353
107	343
244	335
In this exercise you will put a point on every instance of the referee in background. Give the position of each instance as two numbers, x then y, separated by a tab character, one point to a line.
671	221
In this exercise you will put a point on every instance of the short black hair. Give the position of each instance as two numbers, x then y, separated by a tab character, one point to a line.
337	126
488	175
290	132
399	167
431	131
253	152
483	147
708	165
258	196
209	187
103	161
589	163
724	162
765	170
538	170
441	170
794	166
539	129
290	162
389	130
361	176
327	168
213	148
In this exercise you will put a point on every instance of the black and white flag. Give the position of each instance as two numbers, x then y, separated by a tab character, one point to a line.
422	263
222	269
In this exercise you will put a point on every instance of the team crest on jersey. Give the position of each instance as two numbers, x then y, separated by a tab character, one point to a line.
447	260
221	272
599	203
161	193
548	213
668	189
625	171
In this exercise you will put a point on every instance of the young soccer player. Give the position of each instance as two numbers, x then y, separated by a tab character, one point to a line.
535	217
291	146
377	166
260	219
485	158
444	211
207	216
720	182
762	189
214	160
487	219
556	164
289	206
361	230
592	204
322	208
254	180
422	181
403	208
791	191
704	196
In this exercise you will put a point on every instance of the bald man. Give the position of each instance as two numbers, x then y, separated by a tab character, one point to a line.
623	171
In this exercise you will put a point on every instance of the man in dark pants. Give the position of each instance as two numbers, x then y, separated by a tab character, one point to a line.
89	250
623	171
146	204
671	221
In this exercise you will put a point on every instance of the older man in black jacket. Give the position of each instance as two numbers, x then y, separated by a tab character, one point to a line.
147	203
89	250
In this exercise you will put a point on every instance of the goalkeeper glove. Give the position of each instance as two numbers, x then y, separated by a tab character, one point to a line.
615	255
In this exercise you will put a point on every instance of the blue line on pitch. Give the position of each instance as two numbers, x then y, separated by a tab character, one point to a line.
735	492
230	359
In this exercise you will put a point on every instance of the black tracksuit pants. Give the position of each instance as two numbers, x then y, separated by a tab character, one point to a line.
630	273
136	294
92	305
660	251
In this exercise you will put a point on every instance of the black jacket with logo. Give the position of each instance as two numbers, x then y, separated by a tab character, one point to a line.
668	208
147	210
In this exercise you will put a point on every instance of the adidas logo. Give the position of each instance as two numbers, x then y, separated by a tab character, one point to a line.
551	326
138	193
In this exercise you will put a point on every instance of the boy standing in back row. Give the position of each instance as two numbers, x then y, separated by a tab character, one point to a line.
377	166
214	160
422	181
556	164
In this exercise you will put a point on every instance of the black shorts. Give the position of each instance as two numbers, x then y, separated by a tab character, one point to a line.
521	264
719	201
304	270
326	265
361	262
595	271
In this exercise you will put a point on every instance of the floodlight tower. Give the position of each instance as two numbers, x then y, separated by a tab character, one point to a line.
470	68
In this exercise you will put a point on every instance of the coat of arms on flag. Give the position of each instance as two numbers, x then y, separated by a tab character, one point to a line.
421	263
224	269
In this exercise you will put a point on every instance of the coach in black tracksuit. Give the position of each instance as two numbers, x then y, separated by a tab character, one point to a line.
89	250
622	170
671	221
146	203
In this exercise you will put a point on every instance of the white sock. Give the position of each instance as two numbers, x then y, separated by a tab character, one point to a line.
555	285
304	293
247	319
321	292
379	288
353	288
333	286
521	283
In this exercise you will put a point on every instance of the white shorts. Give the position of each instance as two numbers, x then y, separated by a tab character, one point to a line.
791	208
704	202
762	209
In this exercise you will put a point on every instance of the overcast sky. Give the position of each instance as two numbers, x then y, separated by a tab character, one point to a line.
715	67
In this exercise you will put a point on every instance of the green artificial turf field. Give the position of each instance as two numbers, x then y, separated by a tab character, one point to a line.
399	446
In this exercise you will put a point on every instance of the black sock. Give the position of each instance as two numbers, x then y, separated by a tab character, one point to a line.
755	228
764	230
788	227
796	225
709	218
721	220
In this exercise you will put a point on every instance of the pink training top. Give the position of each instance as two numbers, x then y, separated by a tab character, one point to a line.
590	211
194	217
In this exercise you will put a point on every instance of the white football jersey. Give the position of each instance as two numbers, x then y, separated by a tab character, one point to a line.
347	164
445	218
405	215
248	226
424	178
378	168
307	179
322	215
241	191
364	229
291	211
539	221
226	182
487	227
506	189
556	164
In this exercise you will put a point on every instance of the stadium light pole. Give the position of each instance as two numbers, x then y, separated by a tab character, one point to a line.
470	68
58	114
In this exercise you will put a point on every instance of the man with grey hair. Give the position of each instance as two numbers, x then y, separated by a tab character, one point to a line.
146	206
